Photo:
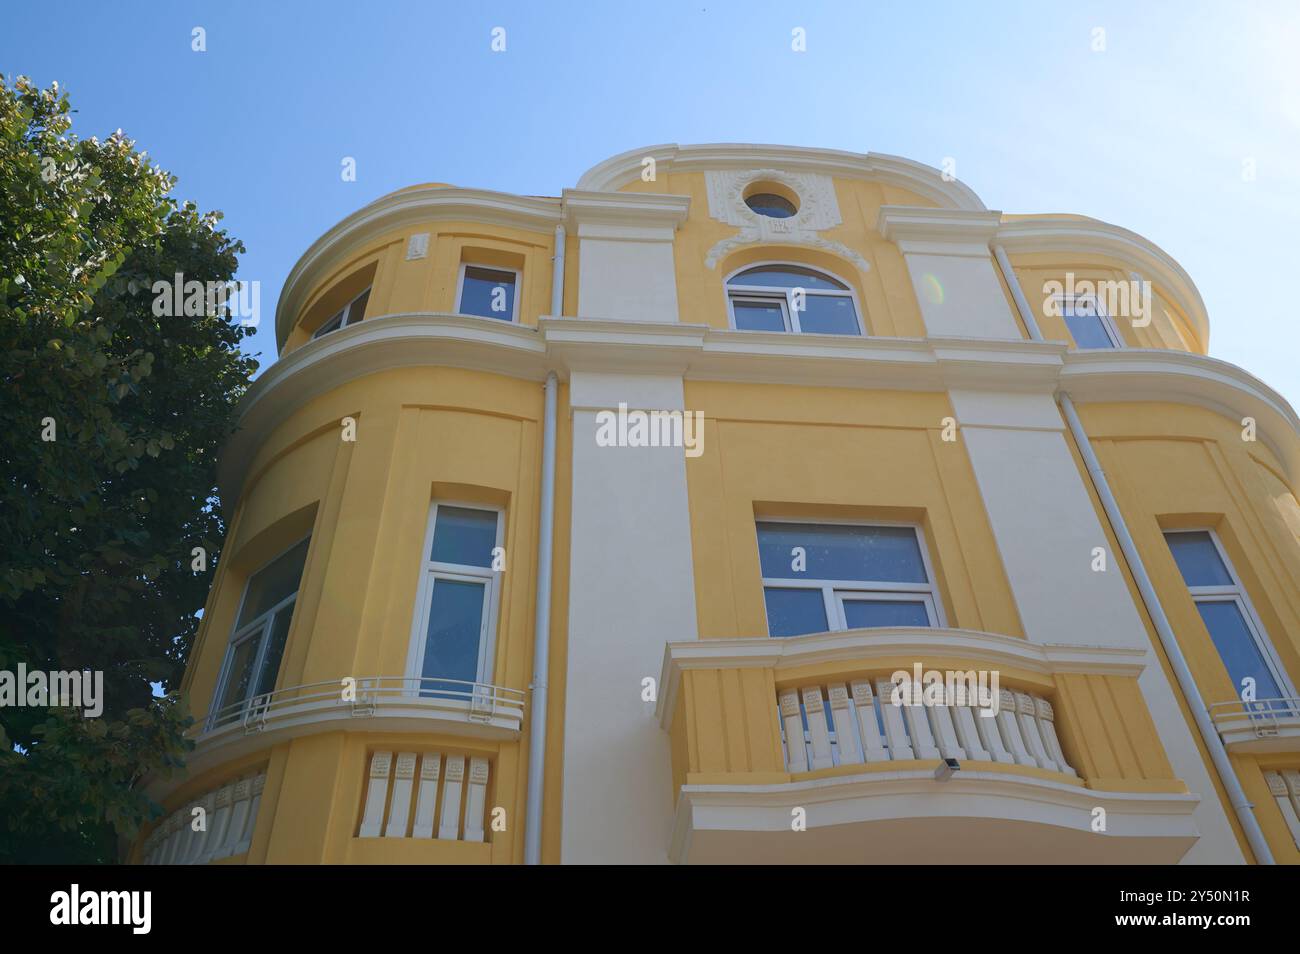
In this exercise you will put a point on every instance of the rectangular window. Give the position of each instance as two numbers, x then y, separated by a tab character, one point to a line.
488	292
1235	629
1089	325
831	576
455	619
350	314
261	629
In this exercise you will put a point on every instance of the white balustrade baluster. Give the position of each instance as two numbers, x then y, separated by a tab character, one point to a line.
1011	729
912	695
819	734
430	771
796	752
476	799
1025	711
238	816
449	826
220	822
1046	719
864	702
399	808
945	732
900	749
846	733
372	817
964	717
246	837
1278	788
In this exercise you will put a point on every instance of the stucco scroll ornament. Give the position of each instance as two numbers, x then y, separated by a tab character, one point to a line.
818	209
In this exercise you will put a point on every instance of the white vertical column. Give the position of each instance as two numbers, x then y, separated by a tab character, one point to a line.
946	733
846	733
630	513
964	716
918	722
863	702
238	816
796	750
987	726
899	748
1029	730
430	770
372	817
476	799
449	826
400	809
819	736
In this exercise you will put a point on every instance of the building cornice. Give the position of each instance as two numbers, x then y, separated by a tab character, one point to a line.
630	210
1050	233
618	171
940	231
698	352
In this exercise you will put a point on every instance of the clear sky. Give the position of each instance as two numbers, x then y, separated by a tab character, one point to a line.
1159	132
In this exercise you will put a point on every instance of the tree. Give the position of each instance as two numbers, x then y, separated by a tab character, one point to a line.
110	421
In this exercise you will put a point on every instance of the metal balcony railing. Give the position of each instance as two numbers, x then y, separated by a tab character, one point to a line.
453	699
1265	718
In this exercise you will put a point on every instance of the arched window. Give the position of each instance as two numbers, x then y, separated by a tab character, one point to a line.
794	298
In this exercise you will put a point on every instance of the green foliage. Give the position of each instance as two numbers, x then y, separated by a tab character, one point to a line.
98	525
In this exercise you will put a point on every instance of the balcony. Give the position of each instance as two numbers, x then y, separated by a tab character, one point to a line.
801	750
371	704
1261	725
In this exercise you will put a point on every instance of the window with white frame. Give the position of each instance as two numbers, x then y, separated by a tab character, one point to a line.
252	661
488	292
349	314
792	298
1234	627
456	610
1088	323
819	577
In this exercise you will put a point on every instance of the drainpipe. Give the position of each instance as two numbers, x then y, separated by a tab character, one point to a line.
542	616
1200	715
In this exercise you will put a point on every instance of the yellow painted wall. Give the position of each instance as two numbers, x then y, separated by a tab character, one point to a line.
1169	327
884	292
430	283
1180	467
782	451
422	434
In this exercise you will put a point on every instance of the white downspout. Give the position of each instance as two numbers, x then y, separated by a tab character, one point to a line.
1218	754
542	615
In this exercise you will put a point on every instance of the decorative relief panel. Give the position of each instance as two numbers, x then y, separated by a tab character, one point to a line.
818	209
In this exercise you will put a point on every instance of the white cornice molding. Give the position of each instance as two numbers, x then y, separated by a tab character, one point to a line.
697	352
858	648
938	231
407	207
1050	233
617	171
632	210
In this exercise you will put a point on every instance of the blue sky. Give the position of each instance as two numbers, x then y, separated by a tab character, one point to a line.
1153	133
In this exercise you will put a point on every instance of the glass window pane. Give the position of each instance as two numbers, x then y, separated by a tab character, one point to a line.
759	315
1237	647
865	554
274	650
794	612
773	206
452	638
276	581
241	673
464	536
1198	559
357	310
488	292
860	614
829	315
332	325
1087	330
787	276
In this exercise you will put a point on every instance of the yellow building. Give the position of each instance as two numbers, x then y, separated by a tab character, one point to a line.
598	528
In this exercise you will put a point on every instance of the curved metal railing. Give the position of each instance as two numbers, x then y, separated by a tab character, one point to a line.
365	696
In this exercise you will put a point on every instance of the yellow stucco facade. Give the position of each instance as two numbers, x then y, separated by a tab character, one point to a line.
673	711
